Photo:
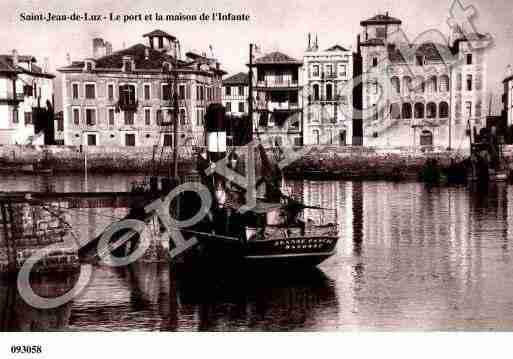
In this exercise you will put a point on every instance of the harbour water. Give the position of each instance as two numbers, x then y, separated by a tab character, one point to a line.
410	257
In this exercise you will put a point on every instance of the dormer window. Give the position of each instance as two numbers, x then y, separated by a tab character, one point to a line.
128	64
166	67
89	65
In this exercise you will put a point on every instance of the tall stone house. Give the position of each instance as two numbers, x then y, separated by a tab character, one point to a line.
420	94
26	101
327	94
126	98
277	92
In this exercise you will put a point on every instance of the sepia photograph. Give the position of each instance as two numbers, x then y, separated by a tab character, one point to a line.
243	166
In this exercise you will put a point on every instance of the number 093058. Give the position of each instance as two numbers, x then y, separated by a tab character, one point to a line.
26	349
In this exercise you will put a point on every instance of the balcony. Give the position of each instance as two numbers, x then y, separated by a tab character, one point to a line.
273	84
10	97
127	105
277	106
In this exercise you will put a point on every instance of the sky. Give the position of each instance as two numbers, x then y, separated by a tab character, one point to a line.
273	24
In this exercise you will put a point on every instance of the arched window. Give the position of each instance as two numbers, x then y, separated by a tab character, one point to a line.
406	110
316	92
420	84
444	83
443	110
419	110
407	84
395	111
329	92
432	84
396	85
431	110
426	138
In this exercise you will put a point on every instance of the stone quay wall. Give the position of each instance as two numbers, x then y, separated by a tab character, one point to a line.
318	161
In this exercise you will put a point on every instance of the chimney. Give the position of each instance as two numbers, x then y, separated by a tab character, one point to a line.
509	70
98	48
46	65
316	42
146	54
309	42
68	58
15	58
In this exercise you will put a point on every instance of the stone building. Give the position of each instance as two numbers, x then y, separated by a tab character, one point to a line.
235	94
327	95
278	112
26	101
125	98
423	94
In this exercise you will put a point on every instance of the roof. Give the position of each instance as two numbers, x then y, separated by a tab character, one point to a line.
336	48
137	52
381	19
242	78
430	50
7	65
159	33
277	57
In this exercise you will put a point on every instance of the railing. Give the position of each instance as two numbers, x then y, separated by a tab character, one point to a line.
277	83
277	106
129	105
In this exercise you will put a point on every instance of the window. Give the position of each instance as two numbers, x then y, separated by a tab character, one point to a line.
443	110
89	66
342	70
279	77
395	111
228	90
90	91
28	90
91	140
161	42
315	70
74	91
166	92
181	92
444	83
111	117
147	116
432	85
431	110
241	106
228	107
60	123
329	92
419	60
469	59
329	70
183	117
469	82
90	116
374	61
241	90
315	137
420	85
129	139
147	91
419	110
158	116
128	66
478	108
316	92
15	116
468	108
168	140
396	85
407	84
381	32
426	138
76	116
110	91
28	118
129	118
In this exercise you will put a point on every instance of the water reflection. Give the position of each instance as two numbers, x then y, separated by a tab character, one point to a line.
409	257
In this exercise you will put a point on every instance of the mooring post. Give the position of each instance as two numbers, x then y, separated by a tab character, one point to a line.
10	247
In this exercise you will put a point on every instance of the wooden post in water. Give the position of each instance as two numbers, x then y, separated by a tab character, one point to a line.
9	231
